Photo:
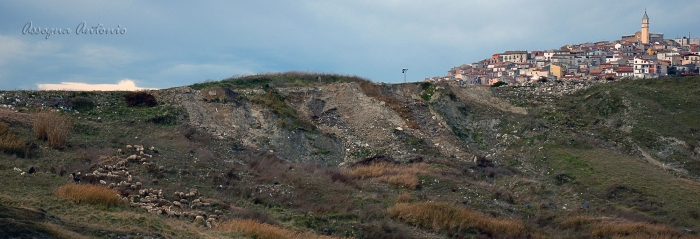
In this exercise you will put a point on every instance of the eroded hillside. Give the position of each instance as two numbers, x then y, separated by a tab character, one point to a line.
297	155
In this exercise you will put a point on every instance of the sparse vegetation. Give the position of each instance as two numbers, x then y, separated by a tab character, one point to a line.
635	230
377	92
288	116
265	231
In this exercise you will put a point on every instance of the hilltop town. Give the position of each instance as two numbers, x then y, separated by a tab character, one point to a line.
640	55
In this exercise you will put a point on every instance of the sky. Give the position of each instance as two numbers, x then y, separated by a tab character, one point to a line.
163	44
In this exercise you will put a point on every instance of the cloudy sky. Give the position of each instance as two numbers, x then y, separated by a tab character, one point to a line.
164	44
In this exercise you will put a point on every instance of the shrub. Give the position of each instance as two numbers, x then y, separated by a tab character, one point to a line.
499	83
428	91
81	103
89	193
453	220
52	127
263	231
140	99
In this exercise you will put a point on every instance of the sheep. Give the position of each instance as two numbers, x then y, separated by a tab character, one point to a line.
103	182
119	151
210	222
199	219
132	157
129	147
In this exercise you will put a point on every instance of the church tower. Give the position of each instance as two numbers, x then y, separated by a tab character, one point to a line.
645	28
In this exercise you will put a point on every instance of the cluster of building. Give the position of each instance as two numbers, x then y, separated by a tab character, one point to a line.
640	55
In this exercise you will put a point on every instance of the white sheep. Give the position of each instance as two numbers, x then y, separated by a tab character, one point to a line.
132	157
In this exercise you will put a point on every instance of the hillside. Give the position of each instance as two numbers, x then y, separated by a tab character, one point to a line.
299	155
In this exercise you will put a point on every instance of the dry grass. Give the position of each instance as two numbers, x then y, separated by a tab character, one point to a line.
264	231
401	175
89	193
10	143
635	230
453	220
52	127
404	197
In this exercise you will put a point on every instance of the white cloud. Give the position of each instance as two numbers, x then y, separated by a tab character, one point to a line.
123	85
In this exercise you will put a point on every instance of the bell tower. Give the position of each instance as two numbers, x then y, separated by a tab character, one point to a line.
645	28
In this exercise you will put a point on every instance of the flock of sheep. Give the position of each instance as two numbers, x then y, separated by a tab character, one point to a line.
113	172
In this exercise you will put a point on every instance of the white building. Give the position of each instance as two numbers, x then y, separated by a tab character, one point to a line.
641	68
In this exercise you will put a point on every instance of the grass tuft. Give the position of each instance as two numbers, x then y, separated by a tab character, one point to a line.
395	174
52	127
89	193
453	220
